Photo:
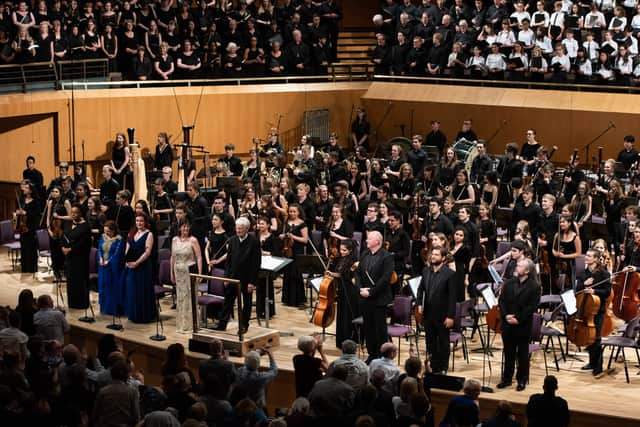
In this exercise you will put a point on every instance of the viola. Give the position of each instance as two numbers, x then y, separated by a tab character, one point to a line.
287	246
581	329
543	257
325	312
394	275
625	296
20	220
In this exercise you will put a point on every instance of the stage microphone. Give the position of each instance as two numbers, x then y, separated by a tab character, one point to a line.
611	124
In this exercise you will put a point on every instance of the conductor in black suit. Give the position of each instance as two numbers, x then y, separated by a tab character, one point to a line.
243	263
437	300
373	277
519	300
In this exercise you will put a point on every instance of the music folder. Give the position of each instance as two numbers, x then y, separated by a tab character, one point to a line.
538	18
608	49
516	61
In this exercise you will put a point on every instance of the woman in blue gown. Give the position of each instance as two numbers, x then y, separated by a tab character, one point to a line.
140	303
110	266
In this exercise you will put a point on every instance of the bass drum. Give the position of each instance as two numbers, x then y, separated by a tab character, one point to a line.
466	151
403	142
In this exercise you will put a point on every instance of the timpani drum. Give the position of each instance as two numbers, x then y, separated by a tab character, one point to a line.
466	151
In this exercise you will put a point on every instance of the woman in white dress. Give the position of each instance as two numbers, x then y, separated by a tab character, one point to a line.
185	258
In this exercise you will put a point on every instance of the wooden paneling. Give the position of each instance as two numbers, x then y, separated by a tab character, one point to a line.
222	114
565	119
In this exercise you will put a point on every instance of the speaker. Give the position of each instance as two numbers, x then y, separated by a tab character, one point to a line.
443	382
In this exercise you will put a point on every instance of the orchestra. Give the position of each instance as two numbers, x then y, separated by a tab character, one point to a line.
427	209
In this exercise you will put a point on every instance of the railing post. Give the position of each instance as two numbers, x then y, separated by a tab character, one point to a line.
24	79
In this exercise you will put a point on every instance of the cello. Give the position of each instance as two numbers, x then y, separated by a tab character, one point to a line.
625	296
581	329
325	312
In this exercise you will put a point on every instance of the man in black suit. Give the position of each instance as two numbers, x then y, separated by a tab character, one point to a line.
243	263
198	212
518	301
373	276
437	300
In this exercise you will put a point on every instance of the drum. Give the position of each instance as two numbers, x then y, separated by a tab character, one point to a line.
466	151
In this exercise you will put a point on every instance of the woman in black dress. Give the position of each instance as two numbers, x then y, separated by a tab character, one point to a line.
44	52
60	41
449	168
153	40
120	158
216	243
461	256
57	210
91	41
297	231
109	44
276	60
348	293
164	68
129	45
270	245
30	208
357	183
232	61
96	219
567	246
76	246
360	129
254	59
461	190
188	63
338	230
377	178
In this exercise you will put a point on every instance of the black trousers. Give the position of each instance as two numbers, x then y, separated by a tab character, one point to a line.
595	350
230	294
375	328
437	337
515	346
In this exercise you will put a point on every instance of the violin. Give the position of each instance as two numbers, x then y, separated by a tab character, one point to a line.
394	275
325	312
417	224
20	220
625	296
543	257
287	246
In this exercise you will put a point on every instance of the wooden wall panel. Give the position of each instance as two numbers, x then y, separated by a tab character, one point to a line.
36	140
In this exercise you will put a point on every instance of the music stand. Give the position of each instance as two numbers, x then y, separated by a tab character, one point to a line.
311	265
271	265
230	184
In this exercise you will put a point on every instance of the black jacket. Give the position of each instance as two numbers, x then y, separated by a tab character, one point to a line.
378	267
437	294
243	260
520	299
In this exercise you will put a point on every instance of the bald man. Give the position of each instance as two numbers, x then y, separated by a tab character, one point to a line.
373	277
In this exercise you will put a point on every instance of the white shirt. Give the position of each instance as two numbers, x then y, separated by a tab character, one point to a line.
592	48
604	73
476	61
496	60
630	3
636	71
621	26
599	22
604	4
527	37
571	46
506	38
563	61
522	56
585	68
520	16
613	44
544	64
624	68
545	44
452	57
557	19
633	47
635	22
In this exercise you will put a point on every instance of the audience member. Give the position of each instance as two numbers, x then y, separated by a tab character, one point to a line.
547	409
117	403
332	397
464	409
387	363
50	324
308	368
253	382
358	370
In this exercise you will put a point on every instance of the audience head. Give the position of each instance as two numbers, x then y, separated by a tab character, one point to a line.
252	360
306	344
120	371
388	350
413	366
340	372
471	388
378	377
216	347
300	406
349	347
550	384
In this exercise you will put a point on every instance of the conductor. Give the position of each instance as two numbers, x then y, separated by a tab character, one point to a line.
243	263
373	276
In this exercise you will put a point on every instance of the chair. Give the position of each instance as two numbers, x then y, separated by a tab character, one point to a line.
44	246
536	339
628	340
456	335
164	255
10	241
211	294
164	286
162	239
579	263
503	248
558	313
400	324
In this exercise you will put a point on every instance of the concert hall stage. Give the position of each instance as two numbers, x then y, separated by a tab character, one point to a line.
592	402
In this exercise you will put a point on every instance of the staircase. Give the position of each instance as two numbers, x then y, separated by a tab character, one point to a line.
354	54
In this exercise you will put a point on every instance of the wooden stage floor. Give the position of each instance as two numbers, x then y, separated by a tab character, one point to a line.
592	402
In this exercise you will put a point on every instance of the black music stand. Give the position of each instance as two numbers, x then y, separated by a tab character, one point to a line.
230	184
271	265
312	265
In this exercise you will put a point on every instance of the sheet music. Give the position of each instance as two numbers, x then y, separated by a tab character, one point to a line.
569	300
414	283
489	297
269	263
315	282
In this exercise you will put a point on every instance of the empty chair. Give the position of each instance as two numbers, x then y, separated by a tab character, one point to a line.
536	340
164	254
503	248
10	242
165	286
211	294
44	245
619	343
316	239
400	325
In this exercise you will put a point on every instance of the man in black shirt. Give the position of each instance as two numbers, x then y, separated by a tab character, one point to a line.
108	190
381	56
34	175
124	215
467	132
333	146
416	157
417	58
233	162
628	156
170	186
471	231
63	172
199	213
436	301
496	13
336	171
436	222
518	302
547	409
425	28
529	211
572	177
509	168
373	274
219	208
481	165
398	245
306	171
437	57
298	54
436	137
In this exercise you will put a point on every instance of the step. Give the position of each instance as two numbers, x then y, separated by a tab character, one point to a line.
347	34
354	55
356	42
358	48
352	61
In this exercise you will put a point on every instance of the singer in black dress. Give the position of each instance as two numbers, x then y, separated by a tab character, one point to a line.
31	208
348	293
76	246
293	284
